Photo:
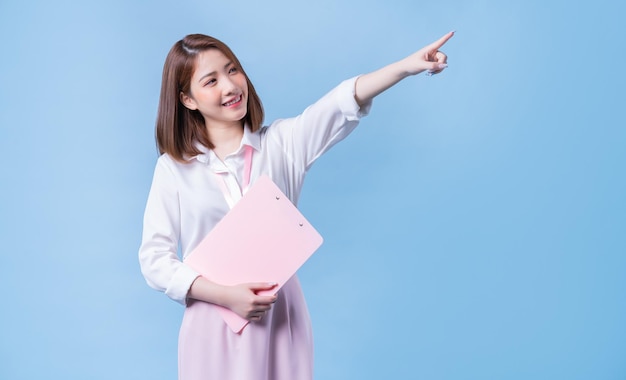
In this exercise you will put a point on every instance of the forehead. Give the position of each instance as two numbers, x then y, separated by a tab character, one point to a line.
208	61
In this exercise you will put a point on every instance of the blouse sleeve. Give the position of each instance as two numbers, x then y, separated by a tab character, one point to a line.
306	137
158	258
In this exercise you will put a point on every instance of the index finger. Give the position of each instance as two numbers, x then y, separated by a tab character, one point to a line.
265	300
440	42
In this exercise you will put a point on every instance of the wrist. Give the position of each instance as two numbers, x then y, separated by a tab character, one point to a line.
406	68
204	290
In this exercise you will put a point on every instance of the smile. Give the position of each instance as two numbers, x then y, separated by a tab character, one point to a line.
233	102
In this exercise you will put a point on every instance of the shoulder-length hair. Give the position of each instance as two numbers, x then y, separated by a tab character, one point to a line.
178	128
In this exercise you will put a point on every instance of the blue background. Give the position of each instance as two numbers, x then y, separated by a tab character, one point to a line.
474	224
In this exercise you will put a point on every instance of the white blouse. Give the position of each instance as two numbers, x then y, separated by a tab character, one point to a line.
185	201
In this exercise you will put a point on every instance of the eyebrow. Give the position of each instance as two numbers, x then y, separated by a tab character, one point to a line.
213	72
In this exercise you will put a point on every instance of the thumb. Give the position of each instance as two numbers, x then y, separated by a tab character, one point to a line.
436	68
262	285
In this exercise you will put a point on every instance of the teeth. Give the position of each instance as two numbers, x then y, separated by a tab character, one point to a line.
233	101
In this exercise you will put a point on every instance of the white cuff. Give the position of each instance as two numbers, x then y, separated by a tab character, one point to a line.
180	284
347	101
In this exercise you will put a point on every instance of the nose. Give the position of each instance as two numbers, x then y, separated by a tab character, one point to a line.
228	86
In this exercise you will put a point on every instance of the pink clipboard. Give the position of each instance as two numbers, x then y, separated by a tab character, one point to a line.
263	238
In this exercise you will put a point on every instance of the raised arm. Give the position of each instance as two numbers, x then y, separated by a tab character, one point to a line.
427	58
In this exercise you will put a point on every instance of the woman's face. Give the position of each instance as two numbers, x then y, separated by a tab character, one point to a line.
218	89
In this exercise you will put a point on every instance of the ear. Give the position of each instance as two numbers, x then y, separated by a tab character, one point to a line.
188	101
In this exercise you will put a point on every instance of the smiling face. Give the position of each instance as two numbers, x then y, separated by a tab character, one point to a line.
218	90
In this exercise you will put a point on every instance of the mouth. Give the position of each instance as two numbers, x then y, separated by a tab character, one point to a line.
234	101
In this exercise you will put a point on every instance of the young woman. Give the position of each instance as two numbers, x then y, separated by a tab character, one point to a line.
209	116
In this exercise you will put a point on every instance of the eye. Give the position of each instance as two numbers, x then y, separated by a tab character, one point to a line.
232	70
210	82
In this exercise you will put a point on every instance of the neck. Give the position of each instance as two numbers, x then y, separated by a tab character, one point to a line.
225	138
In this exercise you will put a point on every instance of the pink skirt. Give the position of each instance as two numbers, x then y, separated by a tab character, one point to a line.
279	347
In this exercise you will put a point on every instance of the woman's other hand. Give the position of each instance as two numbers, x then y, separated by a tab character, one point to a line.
244	301
429	58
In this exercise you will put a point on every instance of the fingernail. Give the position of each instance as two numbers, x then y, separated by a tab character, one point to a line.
442	66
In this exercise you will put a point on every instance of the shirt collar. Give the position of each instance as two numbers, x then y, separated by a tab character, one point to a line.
207	156
251	138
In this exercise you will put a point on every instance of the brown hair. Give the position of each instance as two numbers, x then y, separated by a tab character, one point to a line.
177	127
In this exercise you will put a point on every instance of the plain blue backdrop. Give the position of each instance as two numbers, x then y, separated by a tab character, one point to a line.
474	224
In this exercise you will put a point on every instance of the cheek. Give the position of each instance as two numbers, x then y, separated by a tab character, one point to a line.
207	97
242	83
